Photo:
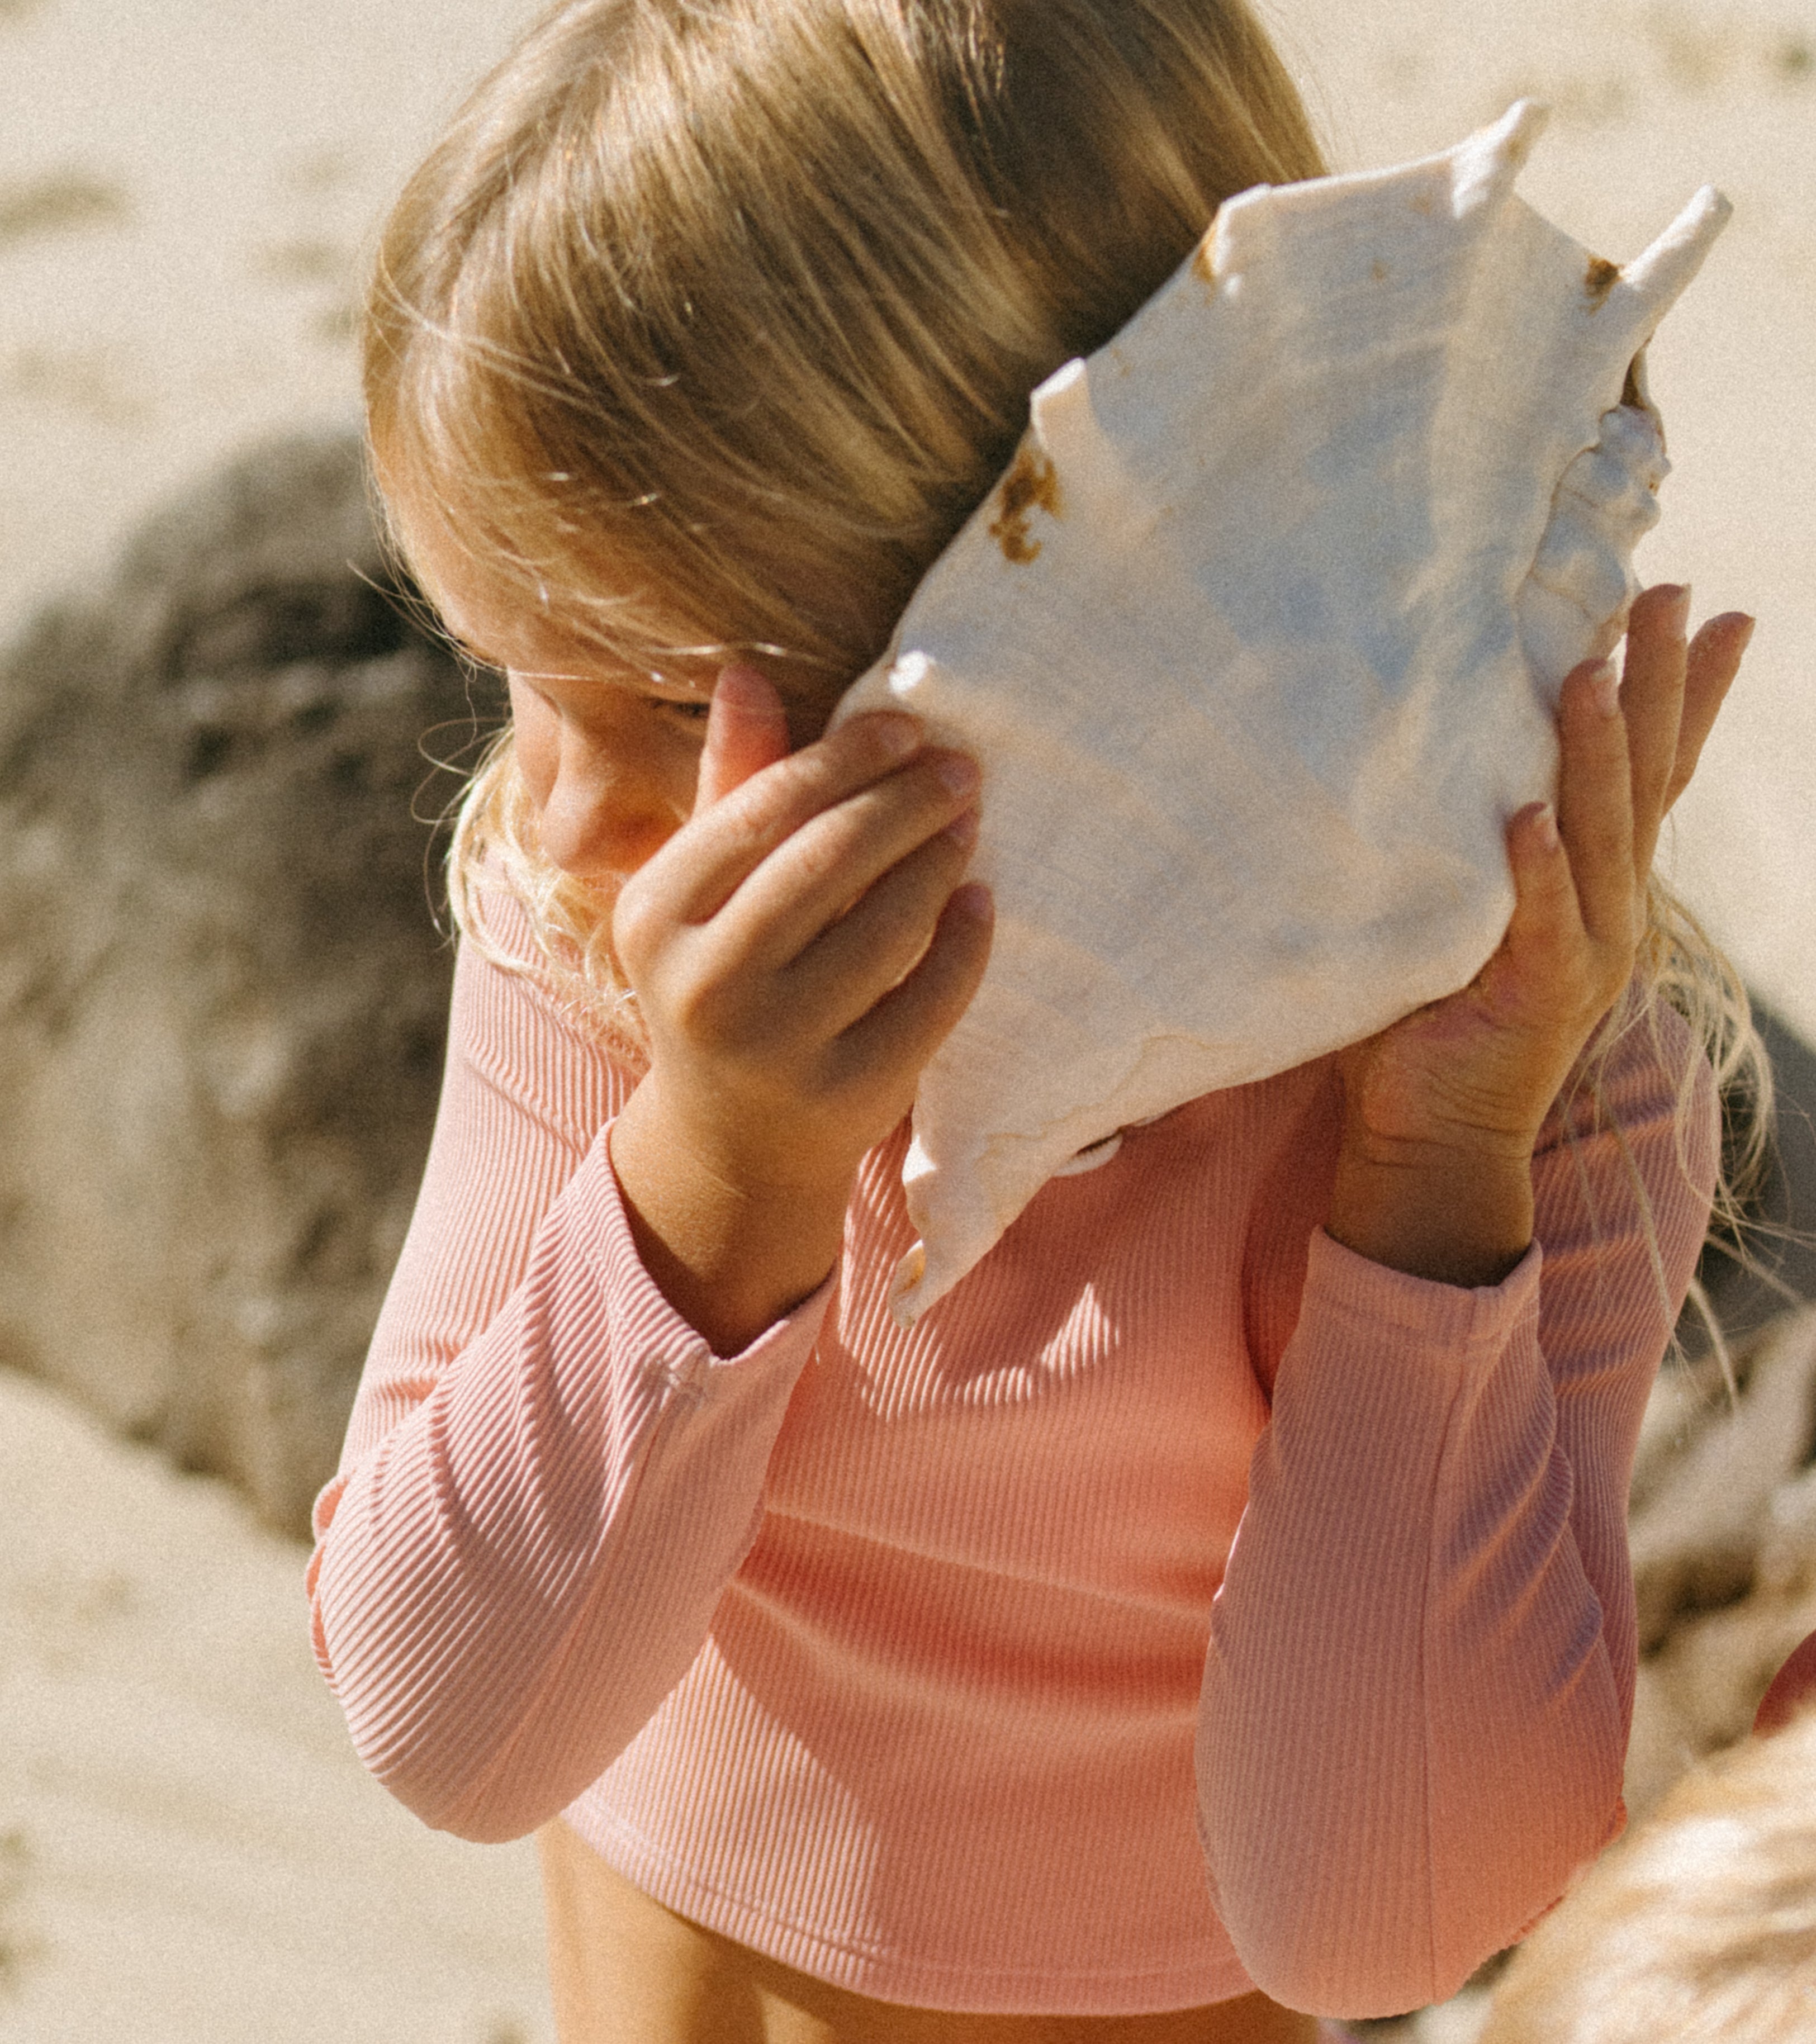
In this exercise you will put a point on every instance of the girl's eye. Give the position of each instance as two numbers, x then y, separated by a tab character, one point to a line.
688	708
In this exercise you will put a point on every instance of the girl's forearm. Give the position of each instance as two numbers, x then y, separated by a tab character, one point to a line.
1412	1723
1422	1661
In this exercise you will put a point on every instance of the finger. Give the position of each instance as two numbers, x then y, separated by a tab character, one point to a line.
1546	927
1713	661
907	1025
813	879
745	731
1652	702
848	968
698	869
1594	802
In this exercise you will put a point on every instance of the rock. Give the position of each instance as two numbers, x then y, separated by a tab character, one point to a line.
1723	1536
1723	1509
222	991
1700	1515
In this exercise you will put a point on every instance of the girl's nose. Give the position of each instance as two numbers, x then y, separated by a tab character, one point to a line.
606	815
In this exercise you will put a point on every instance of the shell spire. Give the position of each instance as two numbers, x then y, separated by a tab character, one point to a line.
1483	170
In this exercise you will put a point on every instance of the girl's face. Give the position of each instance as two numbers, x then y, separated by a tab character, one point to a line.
610	758
610	764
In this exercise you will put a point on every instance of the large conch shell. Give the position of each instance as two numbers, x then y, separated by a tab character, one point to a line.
1257	643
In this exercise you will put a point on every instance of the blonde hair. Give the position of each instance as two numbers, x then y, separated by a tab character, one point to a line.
1700	1925
709	322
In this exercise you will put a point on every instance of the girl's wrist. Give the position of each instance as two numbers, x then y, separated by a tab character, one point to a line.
1456	1213
732	1257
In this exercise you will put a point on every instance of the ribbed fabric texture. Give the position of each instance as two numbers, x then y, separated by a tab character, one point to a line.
1183	1604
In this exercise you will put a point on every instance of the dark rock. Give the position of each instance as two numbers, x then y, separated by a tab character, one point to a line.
222	990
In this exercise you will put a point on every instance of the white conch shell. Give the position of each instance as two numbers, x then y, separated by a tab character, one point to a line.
1257	643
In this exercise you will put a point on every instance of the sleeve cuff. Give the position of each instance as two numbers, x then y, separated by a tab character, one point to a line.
1358	1288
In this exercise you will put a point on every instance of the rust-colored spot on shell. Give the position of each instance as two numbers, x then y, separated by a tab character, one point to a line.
1378	270
1630	392
1603	275
1031	481
1204	255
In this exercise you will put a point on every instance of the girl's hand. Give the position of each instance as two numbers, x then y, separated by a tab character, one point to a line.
798	949
1441	1111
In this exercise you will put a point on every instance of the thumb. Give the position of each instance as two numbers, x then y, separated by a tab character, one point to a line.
746	730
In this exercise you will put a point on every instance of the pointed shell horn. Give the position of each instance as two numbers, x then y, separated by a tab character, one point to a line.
1667	267
1486	165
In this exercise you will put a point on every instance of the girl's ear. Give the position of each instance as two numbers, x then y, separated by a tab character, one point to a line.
745	731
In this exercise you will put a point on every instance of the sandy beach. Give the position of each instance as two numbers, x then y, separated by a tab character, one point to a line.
189	1851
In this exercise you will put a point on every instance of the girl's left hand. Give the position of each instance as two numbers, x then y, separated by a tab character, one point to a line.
1441	1111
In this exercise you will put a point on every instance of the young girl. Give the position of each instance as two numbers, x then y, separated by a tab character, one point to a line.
1217	1605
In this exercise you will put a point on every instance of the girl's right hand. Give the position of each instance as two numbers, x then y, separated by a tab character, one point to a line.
798	949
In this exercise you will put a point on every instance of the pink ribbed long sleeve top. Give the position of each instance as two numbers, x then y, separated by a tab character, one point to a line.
1184	1605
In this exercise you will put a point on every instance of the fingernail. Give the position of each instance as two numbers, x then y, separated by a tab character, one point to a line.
1677	615
1546	820
1607	689
959	773
963	830
896	734
974	899
742	688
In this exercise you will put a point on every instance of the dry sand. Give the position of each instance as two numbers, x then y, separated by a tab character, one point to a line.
188	1849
